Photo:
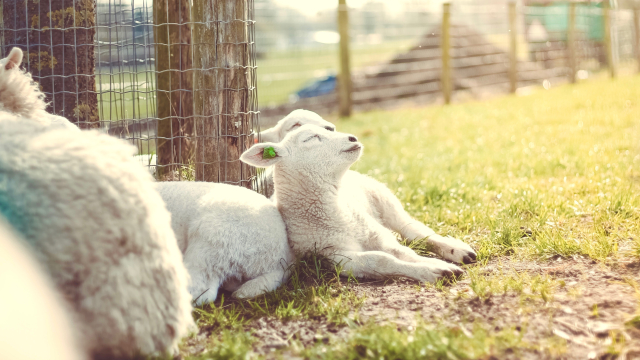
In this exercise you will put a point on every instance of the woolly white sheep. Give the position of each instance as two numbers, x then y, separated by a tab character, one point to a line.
326	211
101	231
30	308
21	96
378	196
230	236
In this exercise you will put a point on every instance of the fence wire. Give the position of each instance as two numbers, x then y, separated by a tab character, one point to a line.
397	60
176	78
179	78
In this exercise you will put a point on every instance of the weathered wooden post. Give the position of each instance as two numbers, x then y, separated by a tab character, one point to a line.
608	44
345	86
57	38
222	85
445	45
571	42
174	86
636	25
513	51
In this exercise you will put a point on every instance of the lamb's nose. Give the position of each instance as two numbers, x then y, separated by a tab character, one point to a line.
353	139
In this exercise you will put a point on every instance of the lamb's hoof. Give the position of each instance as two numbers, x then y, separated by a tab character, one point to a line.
470	258
450	274
454	250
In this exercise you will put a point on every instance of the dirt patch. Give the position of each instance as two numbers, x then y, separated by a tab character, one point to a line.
589	303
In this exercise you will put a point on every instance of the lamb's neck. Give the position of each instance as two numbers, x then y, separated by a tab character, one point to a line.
314	197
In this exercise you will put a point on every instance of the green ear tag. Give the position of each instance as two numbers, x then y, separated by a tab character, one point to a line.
268	153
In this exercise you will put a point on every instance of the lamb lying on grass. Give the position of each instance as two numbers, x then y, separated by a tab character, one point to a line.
21	96
230	236
30	308
326	211
382	201
101	231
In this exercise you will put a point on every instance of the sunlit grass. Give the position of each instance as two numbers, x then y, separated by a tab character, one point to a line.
553	174
426	341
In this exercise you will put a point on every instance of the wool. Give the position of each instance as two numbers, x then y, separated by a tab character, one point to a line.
382	202
21	96
99	229
324	209
231	237
30	308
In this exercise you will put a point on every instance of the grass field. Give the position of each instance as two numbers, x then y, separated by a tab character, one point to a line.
546	189
281	73
130	93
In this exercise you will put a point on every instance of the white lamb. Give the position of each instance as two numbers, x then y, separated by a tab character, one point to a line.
21	96
30	309
378	196
230	236
101	231
325	211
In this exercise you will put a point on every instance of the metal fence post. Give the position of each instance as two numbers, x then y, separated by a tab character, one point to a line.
445	45
608	44
571	39
344	90
513	51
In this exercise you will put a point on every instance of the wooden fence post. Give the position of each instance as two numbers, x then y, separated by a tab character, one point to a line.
222	80
513	51
174	86
571	40
636	25
345	86
608	44
445	45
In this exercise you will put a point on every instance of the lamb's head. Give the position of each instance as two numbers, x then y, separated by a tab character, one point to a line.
19	95
292	122
310	151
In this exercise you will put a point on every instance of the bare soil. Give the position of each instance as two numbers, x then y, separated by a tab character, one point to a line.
568	314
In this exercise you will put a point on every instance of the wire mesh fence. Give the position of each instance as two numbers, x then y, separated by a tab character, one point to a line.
179	78
176	78
396	52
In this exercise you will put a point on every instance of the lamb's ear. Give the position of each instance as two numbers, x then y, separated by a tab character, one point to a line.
264	155
269	135
14	59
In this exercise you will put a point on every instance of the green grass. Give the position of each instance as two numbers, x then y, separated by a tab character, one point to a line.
553	174
281	73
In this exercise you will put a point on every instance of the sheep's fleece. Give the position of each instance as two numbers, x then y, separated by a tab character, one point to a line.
30	308
382	201
324	211
21	96
230	237
101	231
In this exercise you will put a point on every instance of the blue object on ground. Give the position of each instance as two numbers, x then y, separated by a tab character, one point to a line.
318	87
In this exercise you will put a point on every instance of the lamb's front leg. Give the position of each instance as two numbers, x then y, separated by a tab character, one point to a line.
378	264
449	248
394	217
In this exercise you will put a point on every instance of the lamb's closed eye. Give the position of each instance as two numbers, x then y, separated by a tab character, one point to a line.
313	137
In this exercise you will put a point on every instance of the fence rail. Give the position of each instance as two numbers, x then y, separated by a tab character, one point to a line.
179	78
493	47
176	78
